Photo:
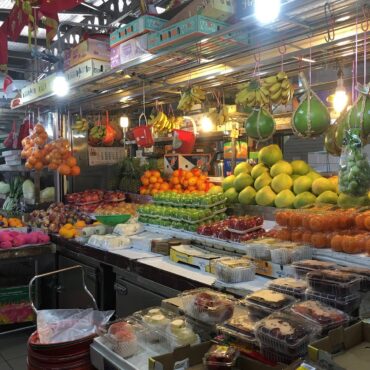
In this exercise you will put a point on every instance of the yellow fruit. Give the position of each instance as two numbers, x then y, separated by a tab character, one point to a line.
80	224
68	226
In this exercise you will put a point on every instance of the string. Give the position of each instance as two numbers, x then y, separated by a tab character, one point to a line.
365	28
282	51
310	67
356	57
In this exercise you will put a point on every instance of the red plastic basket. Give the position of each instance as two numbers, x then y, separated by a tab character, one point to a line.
143	133
183	140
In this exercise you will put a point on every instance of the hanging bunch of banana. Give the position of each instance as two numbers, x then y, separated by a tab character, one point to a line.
80	124
279	87
163	124
253	94
190	97
223	114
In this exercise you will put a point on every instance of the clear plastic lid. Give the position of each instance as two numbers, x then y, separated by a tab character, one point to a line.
334	282
266	301
363	272
180	333
288	285
305	266
234	270
208	305
320	314
220	356
284	333
156	318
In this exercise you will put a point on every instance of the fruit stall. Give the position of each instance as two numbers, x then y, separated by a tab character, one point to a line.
206	167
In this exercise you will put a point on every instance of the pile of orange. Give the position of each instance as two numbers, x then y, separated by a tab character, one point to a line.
152	183
183	181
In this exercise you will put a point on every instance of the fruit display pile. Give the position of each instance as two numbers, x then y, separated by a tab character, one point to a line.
177	211
236	229
342	230
15	239
181	181
278	183
116	208
10	222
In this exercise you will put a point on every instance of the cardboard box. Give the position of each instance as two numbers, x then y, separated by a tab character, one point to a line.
344	348
85	70
191	358
85	50
174	162
129	51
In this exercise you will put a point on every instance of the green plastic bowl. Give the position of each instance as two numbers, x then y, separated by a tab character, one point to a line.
113	220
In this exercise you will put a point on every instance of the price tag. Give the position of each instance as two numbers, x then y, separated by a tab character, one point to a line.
181	365
234	133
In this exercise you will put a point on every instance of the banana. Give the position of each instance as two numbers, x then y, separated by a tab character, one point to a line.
281	76
285	94
285	84
275	97
271	80
275	88
265	91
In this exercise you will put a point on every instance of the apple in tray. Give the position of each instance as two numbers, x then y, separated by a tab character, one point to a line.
114	196
245	223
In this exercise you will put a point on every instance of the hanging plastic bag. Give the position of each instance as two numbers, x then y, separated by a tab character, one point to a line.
354	173
11	140
24	131
110	133
58	326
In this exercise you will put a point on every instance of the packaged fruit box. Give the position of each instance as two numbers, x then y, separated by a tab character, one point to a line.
189	200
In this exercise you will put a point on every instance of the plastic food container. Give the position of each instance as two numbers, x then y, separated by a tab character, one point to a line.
347	304
240	328
272	355
338	283
302	268
180	333
317	313
234	270
284	334
220	357
266	301
207	305
362	272
294	287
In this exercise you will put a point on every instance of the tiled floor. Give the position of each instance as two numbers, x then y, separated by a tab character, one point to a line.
13	350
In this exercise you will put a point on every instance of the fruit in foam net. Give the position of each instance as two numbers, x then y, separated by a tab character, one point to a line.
258	170
321	185
247	196
313	175
270	154
302	184
243	167
231	195
281	182
263	180
300	167
215	190
304	199
228	182
265	197
281	167
285	199
242	180
328	197
260	125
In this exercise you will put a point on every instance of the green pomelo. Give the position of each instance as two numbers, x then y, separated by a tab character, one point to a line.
269	155
281	182
231	195
265	197
243	167
247	196
258	170
281	167
322	184
261	181
215	190
285	199
295	177
327	197
304	199
260	125
228	182
302	184
242	180
359	115
313	121
300	167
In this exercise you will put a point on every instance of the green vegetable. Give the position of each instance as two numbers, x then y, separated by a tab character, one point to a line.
4	187
28	188
47	194
12	201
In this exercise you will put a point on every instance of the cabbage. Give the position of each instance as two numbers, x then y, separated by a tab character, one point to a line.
47	194
4	187
28	188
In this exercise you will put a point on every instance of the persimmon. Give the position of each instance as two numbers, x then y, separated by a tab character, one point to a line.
75	171
52	166
367	223
281	218
296	235
306	237
319	240
63	169
71	161
316	223
38	166
336	243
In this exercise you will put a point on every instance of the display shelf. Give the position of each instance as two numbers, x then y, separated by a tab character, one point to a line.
358	260
6	168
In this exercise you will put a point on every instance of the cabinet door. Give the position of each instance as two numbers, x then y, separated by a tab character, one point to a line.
70	290
131	298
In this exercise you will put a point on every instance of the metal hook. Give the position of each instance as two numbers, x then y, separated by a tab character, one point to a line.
330	22
365	22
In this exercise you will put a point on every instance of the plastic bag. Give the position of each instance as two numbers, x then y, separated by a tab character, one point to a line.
11	140
354	173
57	326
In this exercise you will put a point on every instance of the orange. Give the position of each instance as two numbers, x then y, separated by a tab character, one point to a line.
201	186
196	172
156	173
175	180
63	169
164	186
157	185
142	190
75	171
152	179
154	191
176	173
52	166
203	178
178	187
38	166
192	188
160	180
192	180
147	174
188	175
71	161
144	180
68	226
80	224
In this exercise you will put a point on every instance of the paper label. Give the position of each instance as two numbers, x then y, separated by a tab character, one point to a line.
181	365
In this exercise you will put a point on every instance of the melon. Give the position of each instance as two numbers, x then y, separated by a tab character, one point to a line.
260	125
359	115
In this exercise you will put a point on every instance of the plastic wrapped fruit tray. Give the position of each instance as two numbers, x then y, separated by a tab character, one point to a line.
347	304
207	305
319	314
337	283
284	333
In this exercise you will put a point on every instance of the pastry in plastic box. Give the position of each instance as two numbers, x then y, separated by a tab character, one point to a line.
123	338
234	270
128	229
180	333
305	266
220	357
363	272
207	305
240	328
287	285
347	304
338	283
317	313
284	334
265	301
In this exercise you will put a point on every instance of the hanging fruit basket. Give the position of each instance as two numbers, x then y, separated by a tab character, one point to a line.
260	125
143	133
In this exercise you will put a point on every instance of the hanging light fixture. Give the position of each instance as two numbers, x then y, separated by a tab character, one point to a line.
124	122
340	98
60	85
206	124
266	11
